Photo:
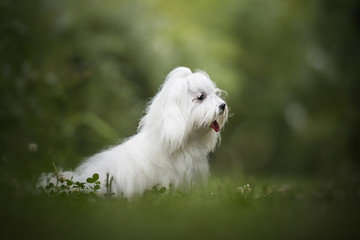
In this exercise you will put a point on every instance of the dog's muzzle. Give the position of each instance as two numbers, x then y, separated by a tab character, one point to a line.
215	125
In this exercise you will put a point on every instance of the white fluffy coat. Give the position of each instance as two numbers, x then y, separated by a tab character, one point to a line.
180	127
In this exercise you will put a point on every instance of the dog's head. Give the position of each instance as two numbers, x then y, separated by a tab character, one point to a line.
188	104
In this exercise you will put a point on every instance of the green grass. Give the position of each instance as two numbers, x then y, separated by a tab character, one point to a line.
229	208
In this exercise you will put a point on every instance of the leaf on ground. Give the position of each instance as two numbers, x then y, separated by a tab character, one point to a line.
90	180
95	177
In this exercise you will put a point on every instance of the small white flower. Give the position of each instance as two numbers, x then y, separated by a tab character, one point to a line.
33	147
247	188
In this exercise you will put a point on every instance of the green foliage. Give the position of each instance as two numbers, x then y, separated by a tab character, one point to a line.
95	181
157	192
68	189
227	208
76	74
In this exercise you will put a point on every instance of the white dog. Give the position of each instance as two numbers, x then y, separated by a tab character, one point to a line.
180	127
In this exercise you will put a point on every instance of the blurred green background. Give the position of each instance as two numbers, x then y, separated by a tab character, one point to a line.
75	77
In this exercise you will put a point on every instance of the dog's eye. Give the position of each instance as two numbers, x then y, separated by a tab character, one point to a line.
202	97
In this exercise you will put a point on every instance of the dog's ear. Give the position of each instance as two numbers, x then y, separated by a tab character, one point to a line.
179	72
167	115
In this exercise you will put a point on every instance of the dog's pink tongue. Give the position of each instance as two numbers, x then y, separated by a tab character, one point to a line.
215	126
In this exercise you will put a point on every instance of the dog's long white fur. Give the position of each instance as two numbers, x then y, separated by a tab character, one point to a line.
173	141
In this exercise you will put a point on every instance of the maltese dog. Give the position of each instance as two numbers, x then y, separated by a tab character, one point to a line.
180	128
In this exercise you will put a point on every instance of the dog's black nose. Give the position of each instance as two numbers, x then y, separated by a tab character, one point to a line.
222	106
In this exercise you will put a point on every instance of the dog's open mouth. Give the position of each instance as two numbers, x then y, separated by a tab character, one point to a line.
215	126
